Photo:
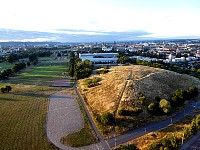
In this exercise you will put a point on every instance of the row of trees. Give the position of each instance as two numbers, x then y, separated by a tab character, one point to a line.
79	69
163	106
5	74
32	56
179	96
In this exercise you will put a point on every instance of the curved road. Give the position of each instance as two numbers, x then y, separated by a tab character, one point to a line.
192	144
64	117
151	127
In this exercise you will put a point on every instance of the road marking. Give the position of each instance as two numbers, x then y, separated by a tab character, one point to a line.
107	144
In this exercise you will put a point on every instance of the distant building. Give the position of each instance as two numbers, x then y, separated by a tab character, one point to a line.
107	49
99	57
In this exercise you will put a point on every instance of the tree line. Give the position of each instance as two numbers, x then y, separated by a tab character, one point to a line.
79	69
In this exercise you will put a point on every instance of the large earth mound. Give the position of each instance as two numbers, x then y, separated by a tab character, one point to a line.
124	83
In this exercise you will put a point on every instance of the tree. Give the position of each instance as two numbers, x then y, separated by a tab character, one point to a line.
28	63
33	57
3	90
107	119
8	88
165	105
12	58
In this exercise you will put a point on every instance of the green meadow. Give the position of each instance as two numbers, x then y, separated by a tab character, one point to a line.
23	110
5	65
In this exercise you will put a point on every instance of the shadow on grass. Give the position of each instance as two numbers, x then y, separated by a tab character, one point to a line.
32	94
7	99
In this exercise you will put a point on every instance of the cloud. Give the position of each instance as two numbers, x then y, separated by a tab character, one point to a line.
69	35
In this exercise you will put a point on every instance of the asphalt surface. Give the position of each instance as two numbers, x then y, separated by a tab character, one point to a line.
64	117
151	127
192	144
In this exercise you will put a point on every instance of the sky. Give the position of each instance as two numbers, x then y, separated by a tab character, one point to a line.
93	20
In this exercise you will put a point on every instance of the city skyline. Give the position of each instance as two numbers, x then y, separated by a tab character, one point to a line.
98	20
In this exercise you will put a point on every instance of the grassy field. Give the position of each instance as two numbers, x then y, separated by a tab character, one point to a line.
150	81
46	58
43	74
5	65
23	110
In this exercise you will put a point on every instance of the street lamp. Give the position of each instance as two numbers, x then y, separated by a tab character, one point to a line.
182	138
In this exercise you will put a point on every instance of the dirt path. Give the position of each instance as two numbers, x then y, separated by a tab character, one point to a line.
64	117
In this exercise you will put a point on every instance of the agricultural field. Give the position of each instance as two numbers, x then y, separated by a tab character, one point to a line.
5	65
23	110
121	86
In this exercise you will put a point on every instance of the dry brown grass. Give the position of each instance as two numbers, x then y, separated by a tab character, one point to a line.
103	98
150	81
145	141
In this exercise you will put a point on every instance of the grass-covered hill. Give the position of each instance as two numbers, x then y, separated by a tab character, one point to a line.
122	85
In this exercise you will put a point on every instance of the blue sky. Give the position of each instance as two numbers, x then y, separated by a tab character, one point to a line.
93	20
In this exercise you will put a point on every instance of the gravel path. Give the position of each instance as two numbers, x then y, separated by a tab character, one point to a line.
64	117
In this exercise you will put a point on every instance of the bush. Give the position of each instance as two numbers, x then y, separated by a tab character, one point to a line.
8	88
107	119
102	71
92	82
165	105
3	90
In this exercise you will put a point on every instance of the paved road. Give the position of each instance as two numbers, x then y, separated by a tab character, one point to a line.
64	117
192	144
149	128
103	142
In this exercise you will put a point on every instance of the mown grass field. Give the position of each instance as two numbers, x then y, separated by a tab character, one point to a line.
23	110
43	74
5	65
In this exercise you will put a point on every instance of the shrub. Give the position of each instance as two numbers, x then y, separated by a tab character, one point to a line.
165	105
3	90
102	71
8	88
107	119
92	82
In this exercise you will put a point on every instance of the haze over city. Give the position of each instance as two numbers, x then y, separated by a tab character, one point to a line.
98	20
